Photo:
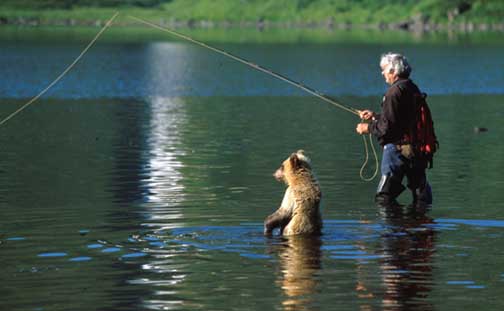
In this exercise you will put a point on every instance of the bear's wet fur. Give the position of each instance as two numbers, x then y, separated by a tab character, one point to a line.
299	211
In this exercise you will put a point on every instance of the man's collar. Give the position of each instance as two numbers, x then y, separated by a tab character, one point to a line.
400	80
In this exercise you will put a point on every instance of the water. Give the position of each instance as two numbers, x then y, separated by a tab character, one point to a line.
142	180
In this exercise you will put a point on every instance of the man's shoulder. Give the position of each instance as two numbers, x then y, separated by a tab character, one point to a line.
403	86
393	90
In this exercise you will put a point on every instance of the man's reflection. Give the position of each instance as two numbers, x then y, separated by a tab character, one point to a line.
408	248
299	258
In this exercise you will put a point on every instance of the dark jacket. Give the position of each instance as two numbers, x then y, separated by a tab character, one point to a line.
397	114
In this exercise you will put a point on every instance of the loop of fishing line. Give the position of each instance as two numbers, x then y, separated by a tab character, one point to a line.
34	99
361	172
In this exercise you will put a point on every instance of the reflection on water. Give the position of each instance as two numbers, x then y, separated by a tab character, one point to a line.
299	264
165	191
164	195
392	262
408	248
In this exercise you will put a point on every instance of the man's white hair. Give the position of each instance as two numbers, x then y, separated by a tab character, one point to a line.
397	62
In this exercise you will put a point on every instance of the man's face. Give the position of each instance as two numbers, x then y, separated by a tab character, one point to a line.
388	74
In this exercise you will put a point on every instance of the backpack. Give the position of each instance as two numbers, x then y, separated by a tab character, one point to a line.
422	135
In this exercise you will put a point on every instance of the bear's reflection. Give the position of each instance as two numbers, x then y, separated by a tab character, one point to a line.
300	260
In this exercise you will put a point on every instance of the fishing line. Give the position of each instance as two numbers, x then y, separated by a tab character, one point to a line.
361	172
278	76
34	99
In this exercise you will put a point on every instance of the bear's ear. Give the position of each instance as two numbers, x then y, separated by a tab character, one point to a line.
294	161
303	158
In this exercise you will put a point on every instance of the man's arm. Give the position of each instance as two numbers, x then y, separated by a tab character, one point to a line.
384	122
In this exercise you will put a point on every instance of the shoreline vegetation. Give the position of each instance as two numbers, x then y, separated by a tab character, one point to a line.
408	15
329	24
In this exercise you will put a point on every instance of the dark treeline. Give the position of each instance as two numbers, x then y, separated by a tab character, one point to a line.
69	4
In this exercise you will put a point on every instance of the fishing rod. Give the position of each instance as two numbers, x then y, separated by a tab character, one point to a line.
280	77
251	64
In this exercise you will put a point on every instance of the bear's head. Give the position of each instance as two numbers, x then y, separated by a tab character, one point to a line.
293	167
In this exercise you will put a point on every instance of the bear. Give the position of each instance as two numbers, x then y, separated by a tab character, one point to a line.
299	211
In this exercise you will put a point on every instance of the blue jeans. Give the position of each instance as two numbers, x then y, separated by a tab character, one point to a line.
394	167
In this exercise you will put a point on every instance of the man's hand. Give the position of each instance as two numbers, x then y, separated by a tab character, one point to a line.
366	114
362	128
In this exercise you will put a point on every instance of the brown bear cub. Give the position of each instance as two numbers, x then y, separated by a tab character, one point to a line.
299	211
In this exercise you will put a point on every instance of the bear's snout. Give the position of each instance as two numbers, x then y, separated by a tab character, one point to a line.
279	175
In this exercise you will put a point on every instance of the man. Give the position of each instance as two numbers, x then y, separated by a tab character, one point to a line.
390	127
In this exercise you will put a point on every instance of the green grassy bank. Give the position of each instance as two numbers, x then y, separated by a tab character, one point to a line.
121	35
283	13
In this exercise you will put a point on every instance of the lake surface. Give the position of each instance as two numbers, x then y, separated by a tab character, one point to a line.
141	181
